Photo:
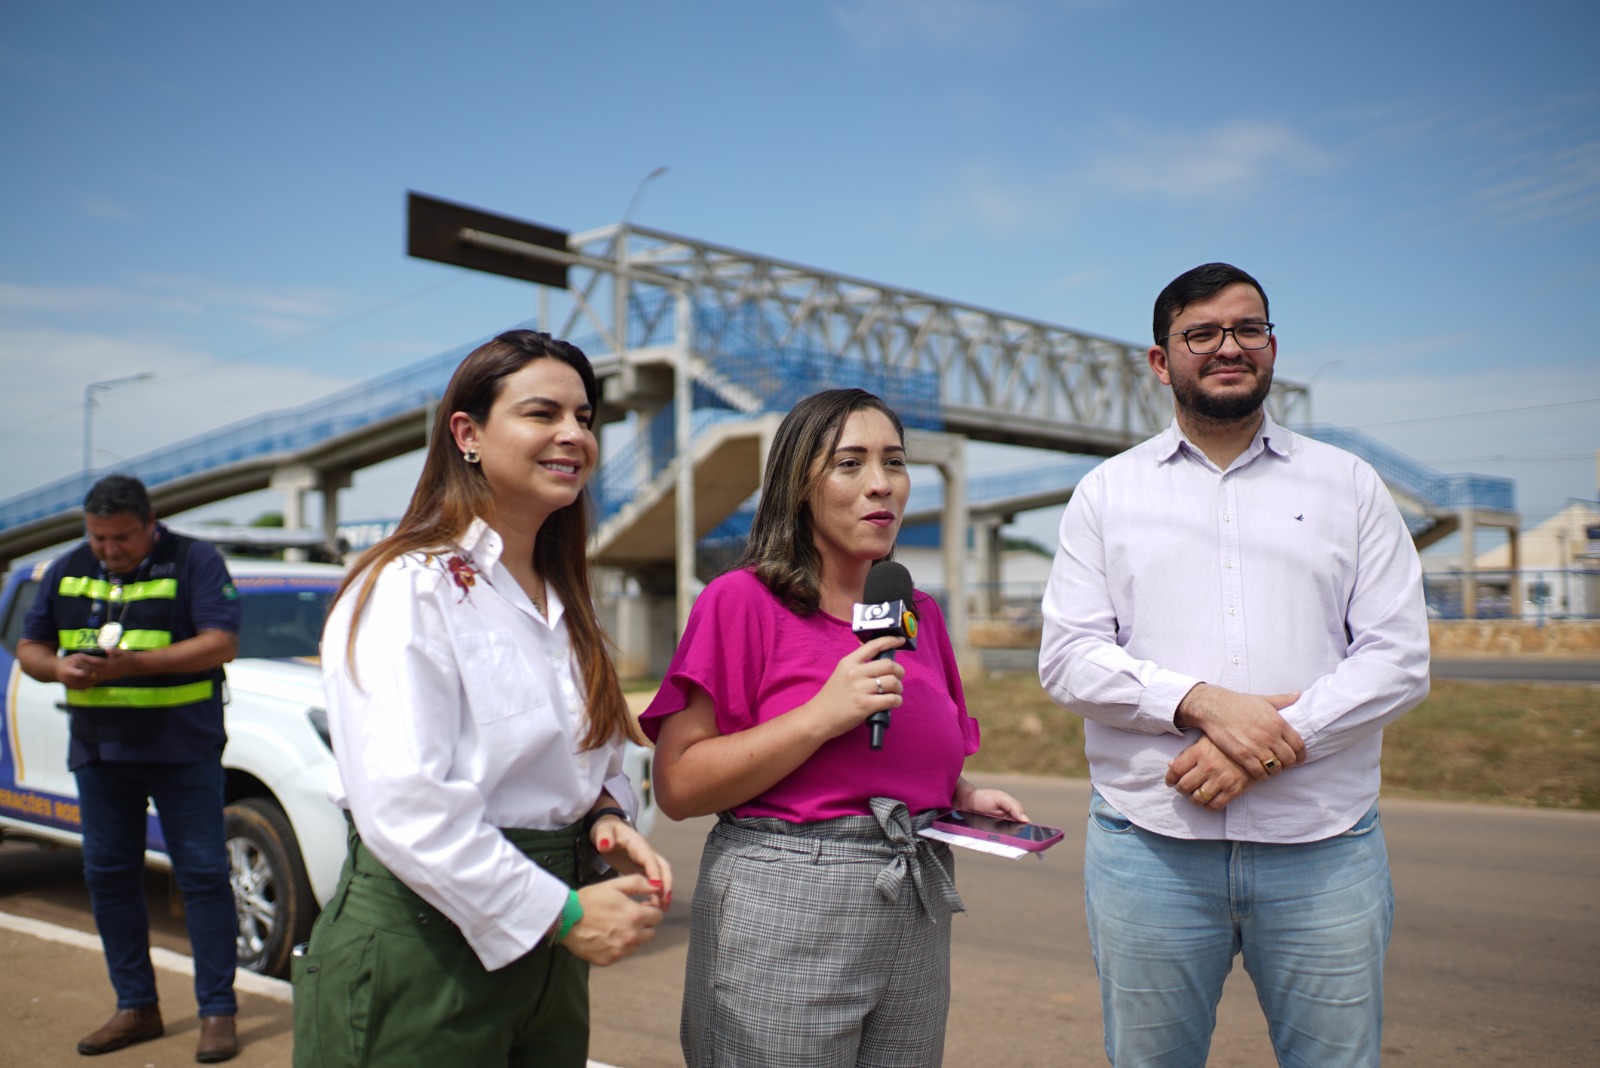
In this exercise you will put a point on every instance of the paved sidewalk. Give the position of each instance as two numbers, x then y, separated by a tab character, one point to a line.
53	990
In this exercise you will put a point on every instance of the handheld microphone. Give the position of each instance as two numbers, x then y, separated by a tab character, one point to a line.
887	610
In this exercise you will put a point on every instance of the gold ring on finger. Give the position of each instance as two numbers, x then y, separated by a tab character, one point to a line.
1205	798
1270	763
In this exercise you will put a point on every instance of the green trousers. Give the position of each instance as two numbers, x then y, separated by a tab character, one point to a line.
388	981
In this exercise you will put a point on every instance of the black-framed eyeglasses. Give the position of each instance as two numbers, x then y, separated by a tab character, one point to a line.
1204	340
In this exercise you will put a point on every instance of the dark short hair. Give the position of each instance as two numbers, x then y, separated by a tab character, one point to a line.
118	495
1196	284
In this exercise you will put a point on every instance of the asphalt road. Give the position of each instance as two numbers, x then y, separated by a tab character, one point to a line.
1495	958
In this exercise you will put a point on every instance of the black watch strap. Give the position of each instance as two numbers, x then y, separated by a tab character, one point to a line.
594	817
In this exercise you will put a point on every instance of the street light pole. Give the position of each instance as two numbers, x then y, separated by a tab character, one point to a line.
633	201
88	412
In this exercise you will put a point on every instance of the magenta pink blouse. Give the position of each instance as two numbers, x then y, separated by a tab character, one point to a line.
758	660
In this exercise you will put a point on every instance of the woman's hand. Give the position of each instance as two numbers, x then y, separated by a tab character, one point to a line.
630	853
858	687
987	801
614	922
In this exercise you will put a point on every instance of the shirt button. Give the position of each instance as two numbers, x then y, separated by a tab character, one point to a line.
1228	565
583	763
1232	612
1236	660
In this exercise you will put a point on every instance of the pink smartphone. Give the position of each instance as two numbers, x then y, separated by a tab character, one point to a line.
1030	836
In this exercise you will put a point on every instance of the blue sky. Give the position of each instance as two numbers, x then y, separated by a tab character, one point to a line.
215	193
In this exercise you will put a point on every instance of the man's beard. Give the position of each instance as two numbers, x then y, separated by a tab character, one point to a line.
1229	408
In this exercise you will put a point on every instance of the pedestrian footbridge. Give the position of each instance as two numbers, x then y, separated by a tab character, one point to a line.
702	348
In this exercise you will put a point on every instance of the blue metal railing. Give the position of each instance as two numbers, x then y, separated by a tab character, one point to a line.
645	455
747	346
742	349
1418	479
1008	485
372	401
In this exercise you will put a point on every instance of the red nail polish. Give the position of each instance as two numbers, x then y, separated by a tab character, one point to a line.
655	883
605	843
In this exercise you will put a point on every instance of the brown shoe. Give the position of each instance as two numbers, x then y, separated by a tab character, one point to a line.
125	1027
218	1040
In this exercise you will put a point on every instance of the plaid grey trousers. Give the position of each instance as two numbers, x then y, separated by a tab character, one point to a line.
820	944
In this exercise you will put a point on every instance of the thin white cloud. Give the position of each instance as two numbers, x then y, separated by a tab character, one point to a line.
279	311
287	309
56	300
104	207
1555	185
1232	162
1533	163
44	370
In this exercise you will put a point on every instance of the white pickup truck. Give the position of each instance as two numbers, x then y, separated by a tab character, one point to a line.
286	840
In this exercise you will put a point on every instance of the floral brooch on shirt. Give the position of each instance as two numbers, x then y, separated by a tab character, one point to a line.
462	571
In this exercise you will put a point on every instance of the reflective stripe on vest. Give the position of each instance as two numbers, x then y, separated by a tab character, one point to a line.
88	638
145	639
99	589
141	696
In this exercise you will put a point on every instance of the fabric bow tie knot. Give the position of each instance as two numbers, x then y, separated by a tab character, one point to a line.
913	853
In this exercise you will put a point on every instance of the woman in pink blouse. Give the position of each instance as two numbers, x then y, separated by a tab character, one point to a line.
821	922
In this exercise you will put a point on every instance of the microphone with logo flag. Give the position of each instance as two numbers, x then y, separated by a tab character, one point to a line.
886	611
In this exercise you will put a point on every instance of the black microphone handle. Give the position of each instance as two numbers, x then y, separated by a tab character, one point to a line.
878	722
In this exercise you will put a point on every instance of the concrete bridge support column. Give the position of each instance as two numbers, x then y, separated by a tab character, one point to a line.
948	452
1514	549
1469	563
295	481
646	627
330	483
991	546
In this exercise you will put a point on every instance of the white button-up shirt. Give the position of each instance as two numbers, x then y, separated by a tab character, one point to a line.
462	713
1290	571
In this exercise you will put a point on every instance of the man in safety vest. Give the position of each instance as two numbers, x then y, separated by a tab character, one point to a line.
136	623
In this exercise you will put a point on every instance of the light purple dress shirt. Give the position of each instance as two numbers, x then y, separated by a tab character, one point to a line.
1290	571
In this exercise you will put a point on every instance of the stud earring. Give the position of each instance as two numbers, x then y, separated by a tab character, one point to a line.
471	456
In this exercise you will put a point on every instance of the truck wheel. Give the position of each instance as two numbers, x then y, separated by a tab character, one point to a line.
271	893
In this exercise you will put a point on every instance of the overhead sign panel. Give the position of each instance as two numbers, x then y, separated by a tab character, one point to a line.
482	241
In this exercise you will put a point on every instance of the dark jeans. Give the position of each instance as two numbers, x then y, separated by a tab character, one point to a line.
188	800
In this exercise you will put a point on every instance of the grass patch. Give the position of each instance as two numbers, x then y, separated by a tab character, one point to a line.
1522	744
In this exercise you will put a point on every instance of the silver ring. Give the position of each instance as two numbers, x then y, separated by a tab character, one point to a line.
879	680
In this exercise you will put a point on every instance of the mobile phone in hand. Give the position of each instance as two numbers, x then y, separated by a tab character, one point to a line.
1030	836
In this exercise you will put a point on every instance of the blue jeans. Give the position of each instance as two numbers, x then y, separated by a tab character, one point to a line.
188	801
1167	916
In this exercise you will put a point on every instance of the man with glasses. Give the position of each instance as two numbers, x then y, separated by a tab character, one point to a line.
1236	611
136	623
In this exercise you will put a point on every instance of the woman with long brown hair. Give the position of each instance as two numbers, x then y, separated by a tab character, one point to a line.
821	922
479	728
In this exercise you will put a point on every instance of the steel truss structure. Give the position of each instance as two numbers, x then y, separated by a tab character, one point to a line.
1002	378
